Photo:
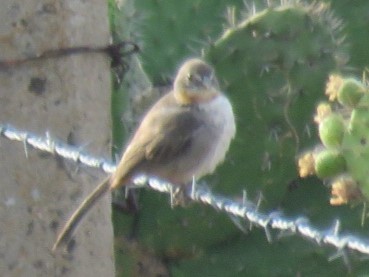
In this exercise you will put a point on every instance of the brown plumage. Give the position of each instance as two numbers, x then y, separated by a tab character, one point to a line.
185	134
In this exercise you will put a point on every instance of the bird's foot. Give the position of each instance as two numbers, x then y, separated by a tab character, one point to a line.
179	197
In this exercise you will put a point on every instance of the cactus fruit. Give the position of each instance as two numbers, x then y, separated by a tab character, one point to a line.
331	130
351	93
306	164
324	163
344	132
345	190
329	163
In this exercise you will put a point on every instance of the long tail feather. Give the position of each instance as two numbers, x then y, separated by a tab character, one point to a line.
69	227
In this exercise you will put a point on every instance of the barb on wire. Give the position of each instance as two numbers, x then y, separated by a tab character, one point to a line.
243	210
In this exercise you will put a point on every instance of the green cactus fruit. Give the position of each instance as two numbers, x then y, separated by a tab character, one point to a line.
329	163
331	130
351	92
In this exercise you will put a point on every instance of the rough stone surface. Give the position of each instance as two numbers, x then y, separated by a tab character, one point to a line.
70	98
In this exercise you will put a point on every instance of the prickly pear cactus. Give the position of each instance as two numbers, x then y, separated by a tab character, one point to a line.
171	31
344	134
273	64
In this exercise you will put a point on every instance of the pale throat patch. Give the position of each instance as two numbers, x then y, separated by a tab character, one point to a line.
188	97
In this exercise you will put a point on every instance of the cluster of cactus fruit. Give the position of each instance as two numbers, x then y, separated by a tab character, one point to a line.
344	132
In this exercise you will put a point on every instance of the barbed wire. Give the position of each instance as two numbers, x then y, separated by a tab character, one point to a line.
239	212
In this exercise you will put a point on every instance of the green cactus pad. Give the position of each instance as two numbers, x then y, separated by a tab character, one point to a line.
275	65
356	148
273	70
171	31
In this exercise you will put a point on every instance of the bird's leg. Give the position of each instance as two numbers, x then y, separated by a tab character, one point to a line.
180	196
193	187
125	199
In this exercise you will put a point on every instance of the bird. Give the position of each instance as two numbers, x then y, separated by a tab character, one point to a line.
184	136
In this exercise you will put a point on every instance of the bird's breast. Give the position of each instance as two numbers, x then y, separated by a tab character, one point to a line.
219	118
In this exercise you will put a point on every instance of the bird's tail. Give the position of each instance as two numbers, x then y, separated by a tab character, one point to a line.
69	227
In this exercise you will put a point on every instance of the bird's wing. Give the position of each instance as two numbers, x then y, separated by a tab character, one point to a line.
163	135
173	138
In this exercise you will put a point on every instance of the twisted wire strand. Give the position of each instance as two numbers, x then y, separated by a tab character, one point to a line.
246	211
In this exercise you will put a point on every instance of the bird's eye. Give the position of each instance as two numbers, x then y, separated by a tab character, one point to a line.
190	77
194	79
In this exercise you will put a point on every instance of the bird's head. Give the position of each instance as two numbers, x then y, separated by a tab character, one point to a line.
195	82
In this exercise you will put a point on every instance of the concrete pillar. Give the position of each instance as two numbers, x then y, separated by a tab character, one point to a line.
70	98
